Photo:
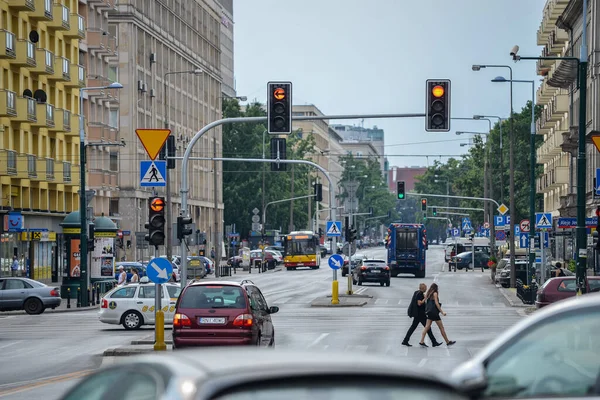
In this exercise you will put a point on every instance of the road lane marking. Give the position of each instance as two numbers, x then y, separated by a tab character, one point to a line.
381	301
317	340
422	363
10	344
25	386
435	277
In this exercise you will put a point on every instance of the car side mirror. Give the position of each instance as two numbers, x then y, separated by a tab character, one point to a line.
471	377
273	309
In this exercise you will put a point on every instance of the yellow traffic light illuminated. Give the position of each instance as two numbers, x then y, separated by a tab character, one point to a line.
279	94
157	204
438	91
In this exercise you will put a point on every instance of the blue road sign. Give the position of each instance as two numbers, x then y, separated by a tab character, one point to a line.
334	228
486	232
597	181
498	220
500	235
546	238
524	240
517	230
466	224
336	261
159	270
152	173
543	220
15	221
455	232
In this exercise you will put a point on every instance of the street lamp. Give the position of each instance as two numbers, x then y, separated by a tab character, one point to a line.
83	236
511	171
500	119
168	222
532	176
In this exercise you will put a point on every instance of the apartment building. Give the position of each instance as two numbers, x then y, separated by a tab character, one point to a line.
180	38
40	74
375	136
407	174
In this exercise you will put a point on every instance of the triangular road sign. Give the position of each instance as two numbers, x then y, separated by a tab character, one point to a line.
153	175
152	140
596	141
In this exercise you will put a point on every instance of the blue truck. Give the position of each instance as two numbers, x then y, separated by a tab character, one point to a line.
406	248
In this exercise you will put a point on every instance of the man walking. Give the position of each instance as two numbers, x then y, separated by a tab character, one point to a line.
416	310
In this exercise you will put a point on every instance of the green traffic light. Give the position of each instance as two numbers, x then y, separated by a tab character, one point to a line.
400	196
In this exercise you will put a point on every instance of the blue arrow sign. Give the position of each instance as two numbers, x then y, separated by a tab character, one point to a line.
486	232
159	270
336	261
524	240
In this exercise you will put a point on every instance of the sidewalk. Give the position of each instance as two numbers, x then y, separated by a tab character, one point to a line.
241	274
510	294
61	309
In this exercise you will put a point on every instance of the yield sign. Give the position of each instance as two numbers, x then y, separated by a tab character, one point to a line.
153	140
596	141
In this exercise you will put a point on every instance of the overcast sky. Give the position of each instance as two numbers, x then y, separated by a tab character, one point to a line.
357	56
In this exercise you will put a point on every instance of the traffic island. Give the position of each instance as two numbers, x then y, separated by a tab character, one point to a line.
133	350
344	301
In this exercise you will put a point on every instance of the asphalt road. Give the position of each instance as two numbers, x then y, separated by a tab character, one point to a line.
48	353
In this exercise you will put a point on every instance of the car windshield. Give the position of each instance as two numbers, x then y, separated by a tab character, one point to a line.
213	296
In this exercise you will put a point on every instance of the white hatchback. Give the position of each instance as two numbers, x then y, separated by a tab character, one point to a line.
132	305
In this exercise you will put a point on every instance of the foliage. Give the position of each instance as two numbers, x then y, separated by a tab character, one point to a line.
465	176
243	181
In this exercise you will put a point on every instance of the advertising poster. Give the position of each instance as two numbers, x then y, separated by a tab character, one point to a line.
75	259
103	258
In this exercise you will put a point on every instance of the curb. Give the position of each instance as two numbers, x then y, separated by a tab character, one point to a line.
356	296
322	305
246	274
510	300
147	341
51	311
126	351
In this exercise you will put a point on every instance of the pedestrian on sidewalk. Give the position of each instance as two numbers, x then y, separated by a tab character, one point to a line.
14	266
122	276
135	278
433	308
416	311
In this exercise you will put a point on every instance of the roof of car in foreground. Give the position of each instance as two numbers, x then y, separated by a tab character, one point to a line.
221	283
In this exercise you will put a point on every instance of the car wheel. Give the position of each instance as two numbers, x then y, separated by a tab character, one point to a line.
381	283
33	306
387	283
132	320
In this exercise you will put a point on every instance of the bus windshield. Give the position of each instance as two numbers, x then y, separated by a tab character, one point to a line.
298	247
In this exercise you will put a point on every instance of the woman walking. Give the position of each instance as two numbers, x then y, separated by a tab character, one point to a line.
433	309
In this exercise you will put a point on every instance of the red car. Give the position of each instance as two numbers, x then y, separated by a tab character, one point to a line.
222	313
562	287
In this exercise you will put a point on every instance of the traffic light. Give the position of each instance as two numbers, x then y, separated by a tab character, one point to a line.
318	191
401	190
168	150
156	221
424	205
91	236
437	111
352	234
182	227
279	108
278	152
434	211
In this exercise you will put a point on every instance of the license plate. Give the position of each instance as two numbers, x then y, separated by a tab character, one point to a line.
300	264
212	320
375	271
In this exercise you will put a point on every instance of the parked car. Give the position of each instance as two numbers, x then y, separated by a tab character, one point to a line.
233	373
563	287
521	272
223	313
372	270
323	251
465	260
29	295
453	249
553	353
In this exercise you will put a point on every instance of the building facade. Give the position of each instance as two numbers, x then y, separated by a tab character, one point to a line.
178	38
41	73
227	62
375	136
407	174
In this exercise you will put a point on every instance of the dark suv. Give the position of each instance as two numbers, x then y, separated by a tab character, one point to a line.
222	313
372	270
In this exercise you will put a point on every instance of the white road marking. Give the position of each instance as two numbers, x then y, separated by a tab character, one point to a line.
317	340
422	363
381	301
435	277
10	344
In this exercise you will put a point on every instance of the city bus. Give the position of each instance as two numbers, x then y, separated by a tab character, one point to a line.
301	249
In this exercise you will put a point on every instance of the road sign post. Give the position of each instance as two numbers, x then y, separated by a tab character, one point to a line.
159	271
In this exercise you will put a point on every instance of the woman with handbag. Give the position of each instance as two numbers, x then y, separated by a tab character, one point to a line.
433	308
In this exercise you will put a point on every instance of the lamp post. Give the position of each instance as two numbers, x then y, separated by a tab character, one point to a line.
511	172
83	237
531	176
168	222
501	151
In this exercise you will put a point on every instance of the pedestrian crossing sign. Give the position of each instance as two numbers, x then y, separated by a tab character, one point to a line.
152	173
334	228
543	220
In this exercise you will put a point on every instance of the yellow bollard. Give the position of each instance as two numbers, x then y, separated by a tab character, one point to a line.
578	292
334	293
159	329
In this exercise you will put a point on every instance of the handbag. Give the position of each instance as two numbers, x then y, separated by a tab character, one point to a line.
430	308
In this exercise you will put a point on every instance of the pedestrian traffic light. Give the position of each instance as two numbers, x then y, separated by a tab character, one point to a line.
156	221
279	107
183	229
424	205
437	111
400	189
434	211
318	191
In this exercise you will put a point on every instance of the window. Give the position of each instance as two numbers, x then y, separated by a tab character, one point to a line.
556	357
593	283
124	293
213	296
407	240
16	284
113	119
147	292
567	285
119	384
174	291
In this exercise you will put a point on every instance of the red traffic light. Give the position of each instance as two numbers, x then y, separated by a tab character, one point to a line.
438	91
157	204
424	201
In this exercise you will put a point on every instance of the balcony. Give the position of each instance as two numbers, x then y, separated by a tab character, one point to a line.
8	103
96	131
44	62
25	54
552	10
8	162
45	116
104	5
9	48
67	176
557	40
76	27
43	10
26	110
62	72
26	166
21	5
77	76
49	169
558	106
74	126
45	169
62	120
545	92
62	21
